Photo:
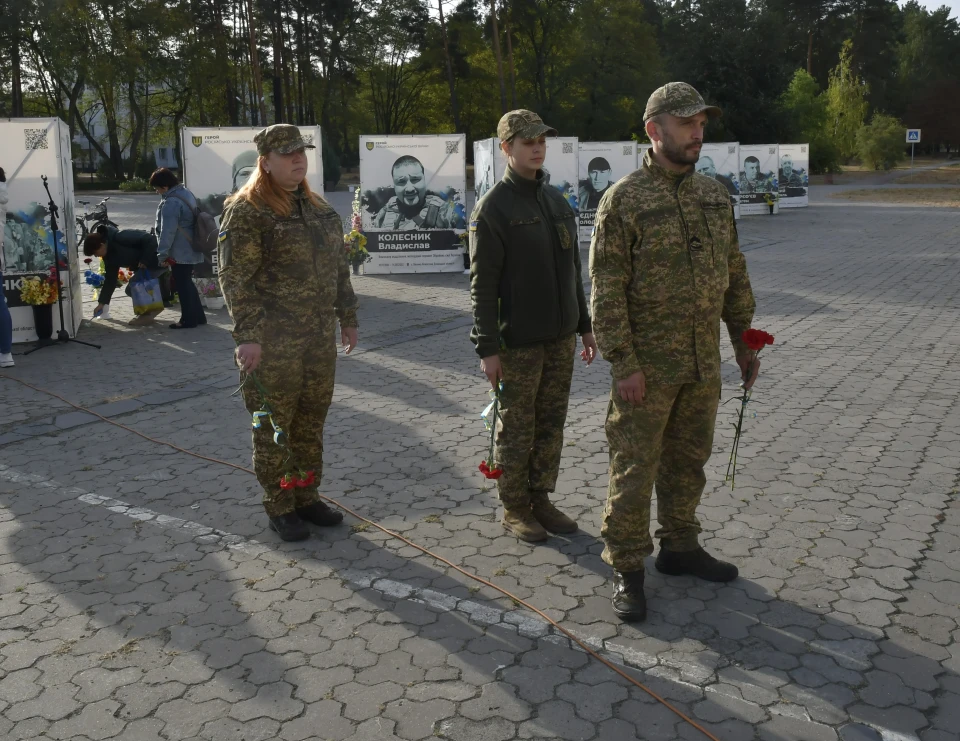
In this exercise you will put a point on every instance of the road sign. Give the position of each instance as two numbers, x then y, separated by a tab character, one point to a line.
913	136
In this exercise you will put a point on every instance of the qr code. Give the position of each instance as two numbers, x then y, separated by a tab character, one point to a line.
35	138
732	149
627	150
803	150
453	147
307	138
772	150
568	147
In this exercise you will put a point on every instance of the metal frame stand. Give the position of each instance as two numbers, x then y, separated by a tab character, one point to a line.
62	335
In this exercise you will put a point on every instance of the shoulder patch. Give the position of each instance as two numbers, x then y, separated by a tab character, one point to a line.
223	236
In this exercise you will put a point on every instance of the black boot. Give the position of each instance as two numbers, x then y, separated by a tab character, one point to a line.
320	514
289	527
629	601
696	563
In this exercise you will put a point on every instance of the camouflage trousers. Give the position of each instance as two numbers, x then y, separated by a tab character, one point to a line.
666	440
533	411
298	377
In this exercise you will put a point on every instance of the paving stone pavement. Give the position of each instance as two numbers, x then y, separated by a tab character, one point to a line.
142	597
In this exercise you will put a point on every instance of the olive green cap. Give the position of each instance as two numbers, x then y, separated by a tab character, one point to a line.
281	138
523	123
678	99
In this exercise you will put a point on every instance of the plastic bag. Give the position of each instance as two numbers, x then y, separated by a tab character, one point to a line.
145	292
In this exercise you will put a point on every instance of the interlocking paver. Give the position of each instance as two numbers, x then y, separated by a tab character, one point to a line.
845	619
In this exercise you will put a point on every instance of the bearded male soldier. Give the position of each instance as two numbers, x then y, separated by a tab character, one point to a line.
666	268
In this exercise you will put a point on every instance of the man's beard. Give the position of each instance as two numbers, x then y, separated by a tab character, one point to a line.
679	155
411	208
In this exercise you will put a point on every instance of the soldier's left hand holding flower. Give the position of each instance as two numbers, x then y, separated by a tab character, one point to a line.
589	351
348	338
749	365
248	356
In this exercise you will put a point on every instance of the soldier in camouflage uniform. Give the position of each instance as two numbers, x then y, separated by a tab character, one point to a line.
666	268
412	207
285	277
528	302
753	181
244	164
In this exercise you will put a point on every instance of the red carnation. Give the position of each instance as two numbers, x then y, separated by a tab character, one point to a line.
288	482
309	479
490	473
756	339
88	260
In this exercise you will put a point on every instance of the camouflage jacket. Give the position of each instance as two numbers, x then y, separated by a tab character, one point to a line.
279	274
435	214
666	267
767	183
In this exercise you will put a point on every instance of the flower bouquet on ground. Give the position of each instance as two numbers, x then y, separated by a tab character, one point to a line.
210	293
355	242
490	417
39	291
93	277
755	340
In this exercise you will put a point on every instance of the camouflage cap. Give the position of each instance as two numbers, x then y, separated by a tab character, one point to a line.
523	123
281	138
678	99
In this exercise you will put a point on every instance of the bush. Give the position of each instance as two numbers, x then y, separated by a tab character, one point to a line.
87	184
880	143
331	165
824	156
146	166
135	186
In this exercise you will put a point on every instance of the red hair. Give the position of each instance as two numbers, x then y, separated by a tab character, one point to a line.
261	190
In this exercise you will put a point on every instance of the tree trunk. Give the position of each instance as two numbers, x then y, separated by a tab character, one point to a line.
454	107
136	128
260	103
278	116
17	79
286	66
513	68
496	48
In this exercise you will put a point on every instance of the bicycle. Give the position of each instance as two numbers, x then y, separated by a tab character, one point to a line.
98	217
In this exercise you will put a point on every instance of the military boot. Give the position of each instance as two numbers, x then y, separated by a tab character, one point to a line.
696	563
552	519
629	601
318	513
289	527
521	522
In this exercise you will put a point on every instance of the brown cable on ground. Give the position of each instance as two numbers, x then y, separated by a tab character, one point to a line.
399	537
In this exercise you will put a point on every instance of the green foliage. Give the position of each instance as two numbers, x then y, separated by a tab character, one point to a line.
846	102
806	120
880	144
131	74
145	167
331	164
135	185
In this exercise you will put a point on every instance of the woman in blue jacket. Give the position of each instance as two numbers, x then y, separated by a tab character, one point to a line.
174	229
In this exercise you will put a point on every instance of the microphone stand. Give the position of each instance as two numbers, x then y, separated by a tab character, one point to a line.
62	335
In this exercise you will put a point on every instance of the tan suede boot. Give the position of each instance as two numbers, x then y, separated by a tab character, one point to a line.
521	522
549	516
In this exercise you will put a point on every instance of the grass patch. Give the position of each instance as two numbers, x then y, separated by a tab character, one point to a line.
916	197
949	175
360	527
